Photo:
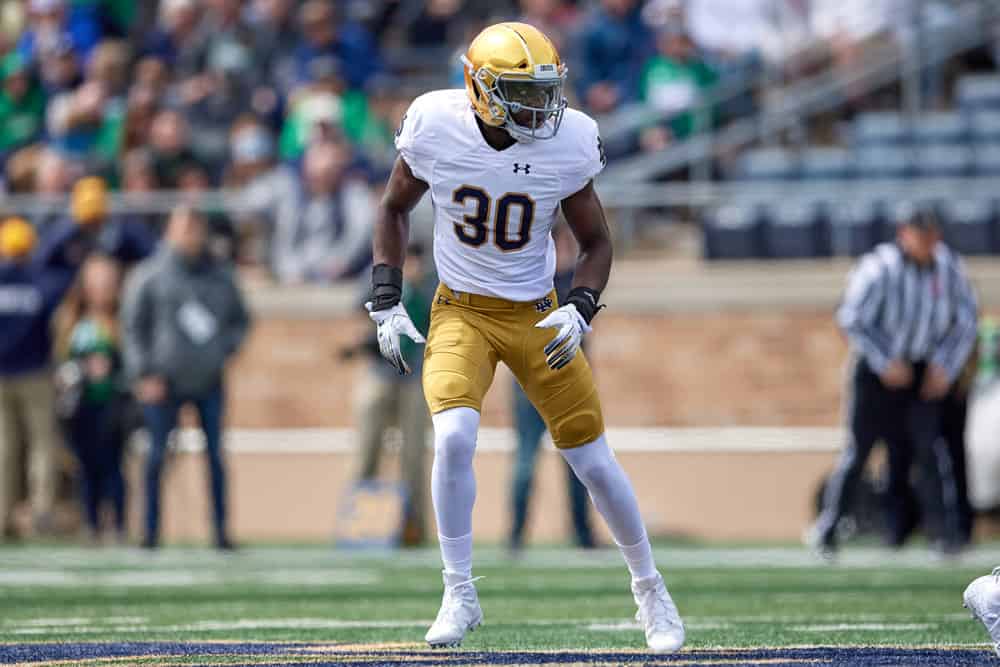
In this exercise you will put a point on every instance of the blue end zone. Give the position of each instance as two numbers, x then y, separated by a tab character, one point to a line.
257	653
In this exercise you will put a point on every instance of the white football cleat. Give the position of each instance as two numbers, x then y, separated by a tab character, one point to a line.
982	599
460	612
658	615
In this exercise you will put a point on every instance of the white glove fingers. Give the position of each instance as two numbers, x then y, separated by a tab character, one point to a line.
564	333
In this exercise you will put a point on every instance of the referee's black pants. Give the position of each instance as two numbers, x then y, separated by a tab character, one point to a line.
907	424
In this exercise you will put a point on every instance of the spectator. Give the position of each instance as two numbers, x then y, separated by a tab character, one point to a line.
277	37
347	43
614	44
83	125
171	147
230	70
153	74
22	105
174	41
53	20
138	183
675	80
33	282
387	399
437	23
125	238
555	18
137	125
183	318
194	181
91	377
530	428
909	354
331	238
273	190
109	64
60	68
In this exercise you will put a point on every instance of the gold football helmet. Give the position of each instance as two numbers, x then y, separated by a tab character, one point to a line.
514	79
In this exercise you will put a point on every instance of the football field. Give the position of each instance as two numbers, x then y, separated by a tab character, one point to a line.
316	605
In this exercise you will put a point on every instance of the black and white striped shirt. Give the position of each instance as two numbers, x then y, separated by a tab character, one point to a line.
896	309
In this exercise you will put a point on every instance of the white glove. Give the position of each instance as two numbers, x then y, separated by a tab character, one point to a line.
561	349
393	322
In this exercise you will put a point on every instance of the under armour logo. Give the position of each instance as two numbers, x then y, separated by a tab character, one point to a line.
543	304
526	168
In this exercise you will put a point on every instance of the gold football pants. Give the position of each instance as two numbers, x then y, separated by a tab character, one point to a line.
469	334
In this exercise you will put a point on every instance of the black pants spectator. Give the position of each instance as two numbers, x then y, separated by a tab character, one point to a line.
97	437
908	425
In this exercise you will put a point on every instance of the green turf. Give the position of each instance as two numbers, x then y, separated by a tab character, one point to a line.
550	598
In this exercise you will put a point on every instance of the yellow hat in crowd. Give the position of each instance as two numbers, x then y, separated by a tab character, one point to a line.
90	200
17	238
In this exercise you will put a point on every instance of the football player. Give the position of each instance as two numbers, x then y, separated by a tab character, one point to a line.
500	158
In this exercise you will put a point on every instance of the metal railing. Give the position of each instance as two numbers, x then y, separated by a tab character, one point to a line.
975	26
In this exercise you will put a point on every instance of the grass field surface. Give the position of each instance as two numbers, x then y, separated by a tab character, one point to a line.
318	605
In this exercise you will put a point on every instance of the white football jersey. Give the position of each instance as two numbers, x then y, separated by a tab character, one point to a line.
494	210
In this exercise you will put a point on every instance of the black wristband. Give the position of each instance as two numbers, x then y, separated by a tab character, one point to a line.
585	300
387	286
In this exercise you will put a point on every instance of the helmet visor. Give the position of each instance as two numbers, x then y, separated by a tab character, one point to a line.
531	102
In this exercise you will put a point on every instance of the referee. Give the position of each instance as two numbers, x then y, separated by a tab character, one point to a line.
909	313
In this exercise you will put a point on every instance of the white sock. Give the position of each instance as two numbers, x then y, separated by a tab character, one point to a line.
610	489
456	554
639	558
453	485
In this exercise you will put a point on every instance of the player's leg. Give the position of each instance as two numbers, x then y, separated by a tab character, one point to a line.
530	428
568	402
459	364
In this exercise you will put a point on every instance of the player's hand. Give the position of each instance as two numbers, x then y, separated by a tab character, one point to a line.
392	323
897	375
936	383
561	349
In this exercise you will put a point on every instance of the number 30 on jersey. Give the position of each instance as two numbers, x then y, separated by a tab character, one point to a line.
475	232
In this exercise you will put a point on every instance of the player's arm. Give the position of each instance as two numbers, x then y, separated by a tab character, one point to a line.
392	231
585	216
392	220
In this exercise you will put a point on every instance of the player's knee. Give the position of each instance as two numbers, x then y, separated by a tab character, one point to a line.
594	464
455	435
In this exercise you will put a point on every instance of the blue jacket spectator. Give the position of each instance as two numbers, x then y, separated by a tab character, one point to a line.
324	37
613	46
30	291
32	284
52	20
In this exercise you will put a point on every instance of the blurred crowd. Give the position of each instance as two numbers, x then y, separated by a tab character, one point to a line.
99	338
296	101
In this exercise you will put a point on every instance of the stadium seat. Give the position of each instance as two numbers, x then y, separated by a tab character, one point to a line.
978	91
880	128
884	162
794	229
762	164
984	126
986	159
824	162
943	127
969	225
733	232
943	160
855	227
